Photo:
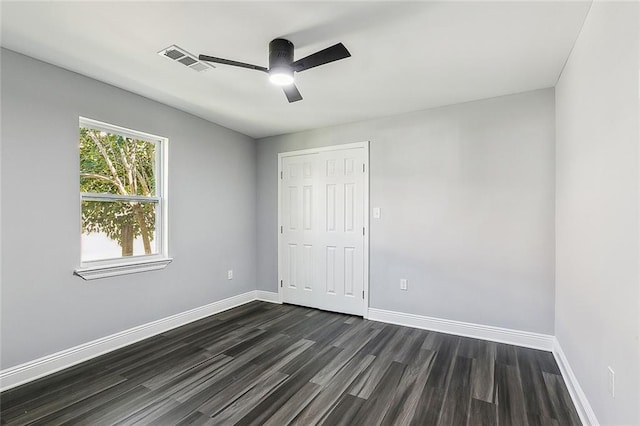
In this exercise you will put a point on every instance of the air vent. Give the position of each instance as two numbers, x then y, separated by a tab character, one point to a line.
178	54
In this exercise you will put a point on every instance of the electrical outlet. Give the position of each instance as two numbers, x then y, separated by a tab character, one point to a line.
403	284
612	382
230	274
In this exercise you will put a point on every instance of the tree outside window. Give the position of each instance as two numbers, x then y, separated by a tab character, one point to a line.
120	195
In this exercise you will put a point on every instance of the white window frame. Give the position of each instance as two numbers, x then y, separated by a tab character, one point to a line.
94	269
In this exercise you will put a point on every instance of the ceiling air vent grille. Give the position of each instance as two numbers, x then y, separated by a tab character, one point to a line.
178	54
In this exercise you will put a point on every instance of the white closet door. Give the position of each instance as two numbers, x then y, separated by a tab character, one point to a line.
322	215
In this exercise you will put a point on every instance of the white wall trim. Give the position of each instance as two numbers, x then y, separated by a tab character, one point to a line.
325	148
267	296
459	328
586	413
32	370
104	271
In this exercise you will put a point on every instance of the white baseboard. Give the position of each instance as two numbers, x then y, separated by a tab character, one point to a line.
267	296
32	370
459	328
587	416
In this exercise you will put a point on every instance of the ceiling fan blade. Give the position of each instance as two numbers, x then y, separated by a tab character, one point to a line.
330	54
232	63
293	95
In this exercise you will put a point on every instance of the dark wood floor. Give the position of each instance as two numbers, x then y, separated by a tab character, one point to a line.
279	364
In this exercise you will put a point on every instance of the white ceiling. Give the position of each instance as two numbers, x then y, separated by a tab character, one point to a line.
406	56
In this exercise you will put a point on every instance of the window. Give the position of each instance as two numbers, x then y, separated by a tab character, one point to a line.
123	200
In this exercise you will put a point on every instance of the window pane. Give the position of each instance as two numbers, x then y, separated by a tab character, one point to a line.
114	229
116	164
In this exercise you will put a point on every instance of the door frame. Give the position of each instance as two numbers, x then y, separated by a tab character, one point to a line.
365	146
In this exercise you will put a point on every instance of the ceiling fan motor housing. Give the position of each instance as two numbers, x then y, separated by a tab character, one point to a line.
280	54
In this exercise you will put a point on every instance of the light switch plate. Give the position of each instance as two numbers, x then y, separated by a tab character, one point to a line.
376	212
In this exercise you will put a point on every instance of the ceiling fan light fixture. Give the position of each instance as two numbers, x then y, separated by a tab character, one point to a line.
282	66
281	76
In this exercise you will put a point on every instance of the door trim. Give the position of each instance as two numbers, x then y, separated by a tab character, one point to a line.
365	146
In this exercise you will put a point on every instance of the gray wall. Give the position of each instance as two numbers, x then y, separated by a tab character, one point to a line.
597	290
212	221
467	199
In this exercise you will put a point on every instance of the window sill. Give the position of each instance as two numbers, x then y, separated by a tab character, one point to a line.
104	271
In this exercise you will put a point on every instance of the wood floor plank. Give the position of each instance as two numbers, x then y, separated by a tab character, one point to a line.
547	362
164	375
39	407
147	415
206	337
345	411
303	359
151	400
275	400
329	332
317	409
252	343
241	313
279	323
369	379
429	405
218	346
191	382
359	331
327	374
510	396
378	403
380	341
195	419
455	408
537	397
443	362
285	319
506	354
470	348
264	363
405	400
107	413
268	368
147	356
483	373
432	341
411	346
482	413
233	412
538	420
294	405
564	409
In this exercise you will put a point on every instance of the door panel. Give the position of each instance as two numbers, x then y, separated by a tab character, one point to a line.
322	242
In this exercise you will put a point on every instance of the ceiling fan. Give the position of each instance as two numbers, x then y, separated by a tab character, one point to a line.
282	66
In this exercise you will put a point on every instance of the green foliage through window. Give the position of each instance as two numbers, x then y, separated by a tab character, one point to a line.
119	166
